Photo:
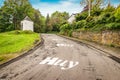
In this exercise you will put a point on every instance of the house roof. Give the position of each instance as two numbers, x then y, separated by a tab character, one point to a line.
27	18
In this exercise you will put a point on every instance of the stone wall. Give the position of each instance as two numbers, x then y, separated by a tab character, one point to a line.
105	37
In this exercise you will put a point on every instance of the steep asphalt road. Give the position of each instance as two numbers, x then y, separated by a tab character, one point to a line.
62	59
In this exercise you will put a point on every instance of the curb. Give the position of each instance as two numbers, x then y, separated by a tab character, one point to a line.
115	58
38	44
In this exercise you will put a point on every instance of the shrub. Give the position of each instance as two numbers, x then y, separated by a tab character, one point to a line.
112	26
109	26
1	58
104	18
107	14
61	32
81	16
27	32
117	14
21	32
17	32
96	11
64	28
70	33
89	24
89	19
111	19
80	24
98	27
111	45
109	8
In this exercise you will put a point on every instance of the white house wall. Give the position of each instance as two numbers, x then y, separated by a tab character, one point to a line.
27	25
71	19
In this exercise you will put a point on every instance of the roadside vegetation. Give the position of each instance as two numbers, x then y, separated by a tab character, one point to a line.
99	19
15	42
14	11
12	15
97	15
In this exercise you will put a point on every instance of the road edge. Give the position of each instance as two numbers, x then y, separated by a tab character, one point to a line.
36	46
114	57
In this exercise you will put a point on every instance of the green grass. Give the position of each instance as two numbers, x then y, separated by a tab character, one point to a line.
15	42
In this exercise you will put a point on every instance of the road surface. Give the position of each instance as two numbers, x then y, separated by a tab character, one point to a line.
62	59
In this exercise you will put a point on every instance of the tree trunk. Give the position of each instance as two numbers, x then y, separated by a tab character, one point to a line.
89	11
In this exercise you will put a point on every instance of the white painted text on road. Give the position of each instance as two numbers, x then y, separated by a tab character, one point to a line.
65	45
64	64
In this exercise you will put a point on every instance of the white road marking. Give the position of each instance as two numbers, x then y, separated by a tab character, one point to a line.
65	45
60	63
56	39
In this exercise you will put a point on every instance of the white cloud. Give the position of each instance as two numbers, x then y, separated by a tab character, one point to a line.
69	6
116	4
65	3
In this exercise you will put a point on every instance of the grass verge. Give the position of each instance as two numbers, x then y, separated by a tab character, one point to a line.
15	42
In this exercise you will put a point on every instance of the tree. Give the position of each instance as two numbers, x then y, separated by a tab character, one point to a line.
37	21
15	10
90	4
57	19
47	23
5	22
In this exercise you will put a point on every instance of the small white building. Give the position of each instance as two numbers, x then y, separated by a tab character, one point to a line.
72	18
27	24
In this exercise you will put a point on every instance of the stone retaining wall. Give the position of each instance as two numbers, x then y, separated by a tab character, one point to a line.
105	37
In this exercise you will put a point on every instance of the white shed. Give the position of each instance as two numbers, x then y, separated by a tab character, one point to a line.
27	24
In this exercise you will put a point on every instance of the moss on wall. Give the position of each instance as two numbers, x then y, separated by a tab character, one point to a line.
104	37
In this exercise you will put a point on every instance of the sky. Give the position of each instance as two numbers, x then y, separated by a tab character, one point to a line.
70	6
50	6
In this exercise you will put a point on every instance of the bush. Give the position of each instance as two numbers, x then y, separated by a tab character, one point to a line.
27	32
70	33
90	24
98	27
104	18
17	32
107	14
112	26
80	24
111	19
111	45
64	28
89	19
96	11
21	32
109	8
117	14
81	16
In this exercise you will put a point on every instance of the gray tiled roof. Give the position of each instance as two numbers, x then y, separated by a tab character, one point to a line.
27	18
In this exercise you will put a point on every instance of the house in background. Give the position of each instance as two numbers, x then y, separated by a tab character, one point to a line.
72	18
27	24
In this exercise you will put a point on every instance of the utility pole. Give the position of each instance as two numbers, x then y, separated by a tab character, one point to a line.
89	1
